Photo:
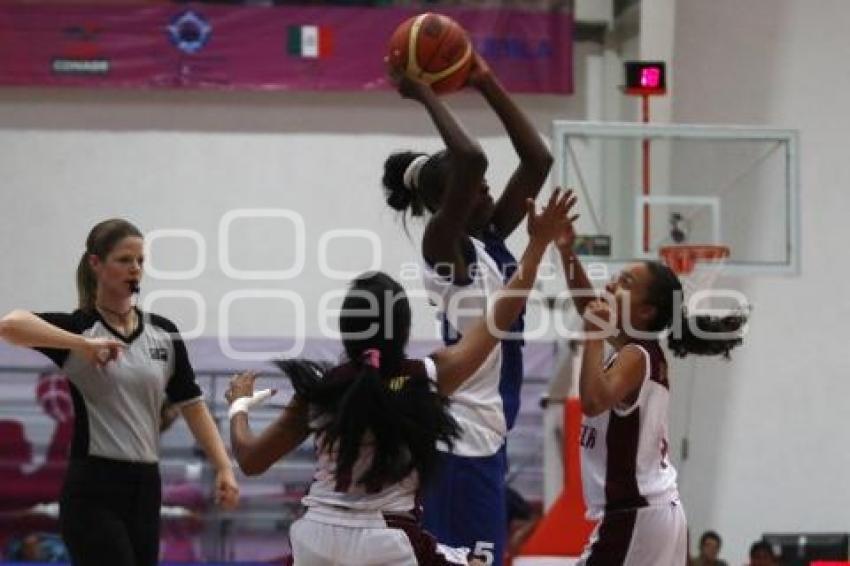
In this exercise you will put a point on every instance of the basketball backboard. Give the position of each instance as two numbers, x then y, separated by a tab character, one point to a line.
643	186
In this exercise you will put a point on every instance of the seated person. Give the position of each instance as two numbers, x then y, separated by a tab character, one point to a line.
761	554
709	550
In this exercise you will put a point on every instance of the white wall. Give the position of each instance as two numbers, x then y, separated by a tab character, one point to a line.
184	159
769	452
769	436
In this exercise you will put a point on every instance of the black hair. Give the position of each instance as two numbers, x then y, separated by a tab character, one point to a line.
761	545
710	535
404	413
428	192
688	335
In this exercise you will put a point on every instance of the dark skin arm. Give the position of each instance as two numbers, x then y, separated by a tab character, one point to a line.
535	159
256	454
446	231
455	364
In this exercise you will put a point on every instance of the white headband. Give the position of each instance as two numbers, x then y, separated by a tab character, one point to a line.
411	174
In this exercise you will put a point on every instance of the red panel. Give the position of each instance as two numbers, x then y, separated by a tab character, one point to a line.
564	530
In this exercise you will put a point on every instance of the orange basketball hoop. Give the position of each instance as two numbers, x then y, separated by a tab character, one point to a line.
682	259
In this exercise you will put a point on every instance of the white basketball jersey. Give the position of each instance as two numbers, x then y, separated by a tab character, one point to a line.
477	404
624	462
344	501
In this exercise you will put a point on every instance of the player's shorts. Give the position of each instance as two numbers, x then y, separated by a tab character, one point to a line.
649	536
393	540
465	506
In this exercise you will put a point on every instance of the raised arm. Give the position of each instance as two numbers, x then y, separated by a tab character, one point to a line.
581	289
22	328
256	454
445	234
457	363
534	157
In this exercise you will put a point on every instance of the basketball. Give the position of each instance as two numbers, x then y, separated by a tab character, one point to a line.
433	48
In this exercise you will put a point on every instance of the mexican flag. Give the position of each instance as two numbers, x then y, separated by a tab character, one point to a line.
311	42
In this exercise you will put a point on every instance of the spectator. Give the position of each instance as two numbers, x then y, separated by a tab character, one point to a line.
709	550
761	554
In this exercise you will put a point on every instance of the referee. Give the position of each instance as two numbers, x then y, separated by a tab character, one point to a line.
122	365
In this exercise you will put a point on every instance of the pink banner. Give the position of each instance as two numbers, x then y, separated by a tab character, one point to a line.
282	48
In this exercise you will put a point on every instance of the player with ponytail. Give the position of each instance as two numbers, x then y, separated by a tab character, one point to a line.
629	483
464	250
379	417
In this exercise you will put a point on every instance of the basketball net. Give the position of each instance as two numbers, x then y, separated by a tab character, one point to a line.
698	266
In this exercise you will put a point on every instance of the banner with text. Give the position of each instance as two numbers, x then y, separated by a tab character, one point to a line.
258	48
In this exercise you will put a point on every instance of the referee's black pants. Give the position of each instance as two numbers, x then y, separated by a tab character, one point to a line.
109	512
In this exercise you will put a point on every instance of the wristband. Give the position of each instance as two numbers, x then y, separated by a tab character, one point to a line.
244	404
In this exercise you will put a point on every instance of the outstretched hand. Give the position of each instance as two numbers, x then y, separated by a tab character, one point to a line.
241	385
554	220
240	395
567	237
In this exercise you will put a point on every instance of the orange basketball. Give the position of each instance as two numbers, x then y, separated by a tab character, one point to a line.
433	48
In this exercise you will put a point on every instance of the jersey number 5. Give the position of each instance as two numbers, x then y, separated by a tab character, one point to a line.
484	551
